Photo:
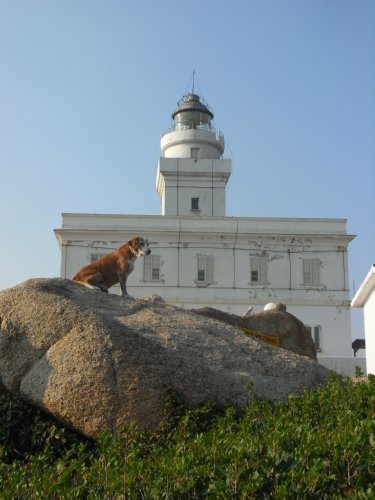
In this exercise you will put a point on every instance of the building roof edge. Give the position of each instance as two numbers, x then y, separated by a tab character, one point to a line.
364	291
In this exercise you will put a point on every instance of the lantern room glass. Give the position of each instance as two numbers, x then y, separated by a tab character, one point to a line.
192	119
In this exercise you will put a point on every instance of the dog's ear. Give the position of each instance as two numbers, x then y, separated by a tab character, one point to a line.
134	243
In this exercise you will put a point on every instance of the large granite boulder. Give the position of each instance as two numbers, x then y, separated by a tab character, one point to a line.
274	325
98	361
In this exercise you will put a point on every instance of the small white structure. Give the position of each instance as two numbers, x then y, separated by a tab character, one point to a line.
200	257
365	297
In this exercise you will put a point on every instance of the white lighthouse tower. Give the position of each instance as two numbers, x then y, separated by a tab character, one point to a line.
192	175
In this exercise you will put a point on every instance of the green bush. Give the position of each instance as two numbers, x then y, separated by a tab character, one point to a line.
319	445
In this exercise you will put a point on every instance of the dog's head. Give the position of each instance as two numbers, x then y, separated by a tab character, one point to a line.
139	246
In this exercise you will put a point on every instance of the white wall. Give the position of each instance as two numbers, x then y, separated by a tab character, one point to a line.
365	297
179	180
177	143
231	241
344	366
369	316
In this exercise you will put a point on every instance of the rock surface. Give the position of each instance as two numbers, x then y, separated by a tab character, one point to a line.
273	321
98	361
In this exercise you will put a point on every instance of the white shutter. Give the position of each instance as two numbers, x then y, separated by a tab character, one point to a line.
151	267
209	268
315	268
254	270
258	269
201	268
306	279
317	337
205	268
311	271
147	268
155	273
263	269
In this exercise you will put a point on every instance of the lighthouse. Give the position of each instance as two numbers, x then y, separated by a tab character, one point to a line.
203	258
192	173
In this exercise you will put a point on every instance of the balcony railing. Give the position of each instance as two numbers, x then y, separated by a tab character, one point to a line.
219	134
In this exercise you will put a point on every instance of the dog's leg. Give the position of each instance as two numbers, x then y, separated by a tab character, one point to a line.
122	279
94	282
88	285
93	287
102	287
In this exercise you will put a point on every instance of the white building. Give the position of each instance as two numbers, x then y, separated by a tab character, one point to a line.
365	297
202	257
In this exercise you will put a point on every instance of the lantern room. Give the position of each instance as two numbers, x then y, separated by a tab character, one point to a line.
192	134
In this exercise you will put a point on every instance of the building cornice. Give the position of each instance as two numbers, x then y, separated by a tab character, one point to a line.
259	226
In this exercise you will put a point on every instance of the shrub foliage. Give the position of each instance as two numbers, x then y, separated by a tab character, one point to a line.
319	445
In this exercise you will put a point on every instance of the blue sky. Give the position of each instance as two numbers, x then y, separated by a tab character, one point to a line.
87	87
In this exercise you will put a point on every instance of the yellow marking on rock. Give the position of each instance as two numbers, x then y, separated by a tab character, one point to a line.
270	339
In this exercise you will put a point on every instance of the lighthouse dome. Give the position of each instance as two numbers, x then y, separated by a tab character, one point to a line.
192	132
191	112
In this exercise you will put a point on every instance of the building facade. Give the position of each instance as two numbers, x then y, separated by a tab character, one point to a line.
201	257
365	297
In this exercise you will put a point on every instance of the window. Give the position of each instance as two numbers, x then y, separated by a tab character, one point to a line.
194	153
195	203
311	271
316	334
151	267
205	269
258	269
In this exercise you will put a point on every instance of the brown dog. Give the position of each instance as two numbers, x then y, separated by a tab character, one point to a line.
113	268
